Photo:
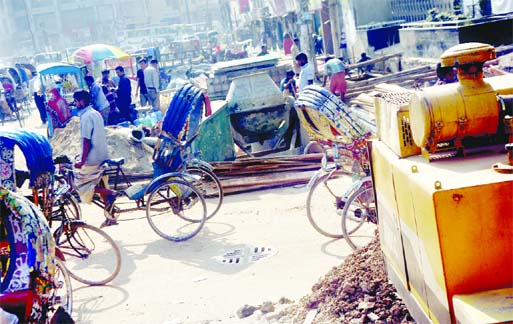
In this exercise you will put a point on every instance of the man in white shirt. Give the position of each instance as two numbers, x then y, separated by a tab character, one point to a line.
151	79
307	74
88	169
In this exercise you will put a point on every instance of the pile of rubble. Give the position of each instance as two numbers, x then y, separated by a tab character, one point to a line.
357	291
120	143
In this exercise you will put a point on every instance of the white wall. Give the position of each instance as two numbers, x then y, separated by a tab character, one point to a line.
502	6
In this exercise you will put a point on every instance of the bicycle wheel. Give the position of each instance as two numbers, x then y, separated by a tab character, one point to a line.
209	186
62	293
92	257
176	210
325	203
359	217
18	117
66	207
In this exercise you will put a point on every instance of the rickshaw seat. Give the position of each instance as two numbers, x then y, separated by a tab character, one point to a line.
115	162
18	303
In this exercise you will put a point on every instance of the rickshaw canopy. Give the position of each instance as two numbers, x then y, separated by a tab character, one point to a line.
58	68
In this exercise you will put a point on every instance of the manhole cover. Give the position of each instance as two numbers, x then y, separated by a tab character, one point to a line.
246	254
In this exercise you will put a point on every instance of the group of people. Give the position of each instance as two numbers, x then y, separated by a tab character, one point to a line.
148	83
334	69
113	103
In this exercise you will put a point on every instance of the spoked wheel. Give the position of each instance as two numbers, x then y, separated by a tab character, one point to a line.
17	113
176	210
209	186
66	207
62	293
325	203
91	256
359	218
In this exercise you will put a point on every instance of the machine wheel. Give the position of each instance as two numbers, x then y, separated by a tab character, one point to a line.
359	217
209	186
176	210
91	255
325	203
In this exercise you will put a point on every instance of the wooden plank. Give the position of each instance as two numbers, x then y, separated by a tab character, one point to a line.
375	60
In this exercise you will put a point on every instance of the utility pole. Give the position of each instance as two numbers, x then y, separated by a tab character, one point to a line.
28	14
335	26
305	21
187	12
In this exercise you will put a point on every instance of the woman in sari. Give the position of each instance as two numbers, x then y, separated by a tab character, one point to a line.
58	109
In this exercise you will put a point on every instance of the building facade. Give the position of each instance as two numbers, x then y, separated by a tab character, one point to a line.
32	26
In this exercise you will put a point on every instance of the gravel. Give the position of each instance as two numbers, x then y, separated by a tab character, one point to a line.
357	291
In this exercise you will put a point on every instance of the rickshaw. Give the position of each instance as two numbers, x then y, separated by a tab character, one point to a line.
184	191
59	115
34	285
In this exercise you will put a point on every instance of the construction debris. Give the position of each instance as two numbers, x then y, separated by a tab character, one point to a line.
357	291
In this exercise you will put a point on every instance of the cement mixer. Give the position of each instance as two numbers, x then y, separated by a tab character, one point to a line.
256	118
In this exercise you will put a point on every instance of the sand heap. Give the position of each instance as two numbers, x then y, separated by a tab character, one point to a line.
120	143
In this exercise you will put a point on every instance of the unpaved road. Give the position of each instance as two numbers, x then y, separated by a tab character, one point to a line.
166	282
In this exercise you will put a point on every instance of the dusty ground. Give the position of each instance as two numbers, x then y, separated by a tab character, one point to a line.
165	282
171	283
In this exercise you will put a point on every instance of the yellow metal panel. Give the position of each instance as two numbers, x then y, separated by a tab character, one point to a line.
389	228
482	245
456	220
494	306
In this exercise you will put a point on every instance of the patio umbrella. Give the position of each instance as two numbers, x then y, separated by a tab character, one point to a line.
98	52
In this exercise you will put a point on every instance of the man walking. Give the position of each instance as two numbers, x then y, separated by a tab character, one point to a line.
98	99
124	95
141	86
151	79
89	171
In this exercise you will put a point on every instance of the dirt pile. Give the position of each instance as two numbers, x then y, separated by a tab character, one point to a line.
120	143
357	291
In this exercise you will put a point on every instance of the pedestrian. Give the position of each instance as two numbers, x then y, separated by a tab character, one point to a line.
287	43
108	88
39	97
288	84
151	79
141	86
155	64
367	68
319	48
307	74
88	170
335	70
263	50
124	95
294	51
98	99
445	74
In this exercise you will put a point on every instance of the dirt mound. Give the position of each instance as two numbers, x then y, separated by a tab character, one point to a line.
357	291
138	156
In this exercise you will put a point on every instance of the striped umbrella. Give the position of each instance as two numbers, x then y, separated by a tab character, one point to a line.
98	52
